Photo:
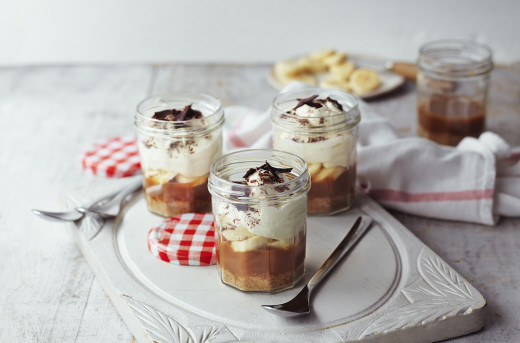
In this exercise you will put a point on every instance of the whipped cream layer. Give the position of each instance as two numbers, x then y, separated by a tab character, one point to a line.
190	157
331	149
276	219
266	219
174	152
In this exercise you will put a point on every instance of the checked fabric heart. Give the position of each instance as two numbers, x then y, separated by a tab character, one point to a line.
188	240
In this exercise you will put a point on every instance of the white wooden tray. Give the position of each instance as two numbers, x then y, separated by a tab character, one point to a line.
392	288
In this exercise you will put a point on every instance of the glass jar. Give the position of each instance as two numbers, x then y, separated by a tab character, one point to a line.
452	86
327	143
176	154
260	229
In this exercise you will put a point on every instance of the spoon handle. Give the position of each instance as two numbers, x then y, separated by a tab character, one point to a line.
106	198
112	206
356	232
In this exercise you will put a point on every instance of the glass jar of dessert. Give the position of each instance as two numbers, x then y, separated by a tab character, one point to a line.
452	87
179	136
260	207
321	126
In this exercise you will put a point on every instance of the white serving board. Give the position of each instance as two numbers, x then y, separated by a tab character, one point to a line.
392	288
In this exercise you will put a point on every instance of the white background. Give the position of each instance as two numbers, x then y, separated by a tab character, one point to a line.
164	31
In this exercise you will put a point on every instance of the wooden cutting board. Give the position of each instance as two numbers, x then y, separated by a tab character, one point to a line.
392	288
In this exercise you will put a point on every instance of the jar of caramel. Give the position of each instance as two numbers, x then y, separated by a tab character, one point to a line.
179	136
260	207
452	86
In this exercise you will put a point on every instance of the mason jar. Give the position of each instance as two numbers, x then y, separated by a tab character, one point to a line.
179	136
260	229
327	142
452	87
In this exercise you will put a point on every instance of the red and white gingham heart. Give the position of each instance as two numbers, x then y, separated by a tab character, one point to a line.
188	239
114	157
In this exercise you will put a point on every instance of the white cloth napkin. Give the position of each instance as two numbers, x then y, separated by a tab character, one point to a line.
477	181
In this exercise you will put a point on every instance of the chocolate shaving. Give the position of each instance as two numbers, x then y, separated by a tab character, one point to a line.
187	113
316	139
267	173
308	101
275	170
250	172
333	101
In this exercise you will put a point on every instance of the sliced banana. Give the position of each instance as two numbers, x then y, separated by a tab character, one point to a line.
305	78
327	68
162	177
330	173
314	168
336	83
308	65
285	69
343	70
250	243
198	180
238	234
154	190
336	58
322	54
364	81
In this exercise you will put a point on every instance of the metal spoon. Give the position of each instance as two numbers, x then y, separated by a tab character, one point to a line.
111	204
300	303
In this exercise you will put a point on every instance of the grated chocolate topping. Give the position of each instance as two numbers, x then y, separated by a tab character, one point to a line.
187	113
308	101
312	101
268	174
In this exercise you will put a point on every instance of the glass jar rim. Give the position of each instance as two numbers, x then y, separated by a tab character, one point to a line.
351	117
215	117
227	187
455	58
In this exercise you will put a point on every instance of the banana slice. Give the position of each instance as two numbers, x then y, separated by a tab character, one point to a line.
322	54
331	173
238	234
162	177
195	181
364	81
285	69
336	83
250	243
305	78
314	168
336	58
343	70
307	65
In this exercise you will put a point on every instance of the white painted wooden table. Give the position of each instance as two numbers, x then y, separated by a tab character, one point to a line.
50	114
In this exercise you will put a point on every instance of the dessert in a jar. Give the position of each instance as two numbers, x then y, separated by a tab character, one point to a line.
179	136
320	126
452	87
260	209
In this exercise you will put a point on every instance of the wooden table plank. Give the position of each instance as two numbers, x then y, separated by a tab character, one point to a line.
50	115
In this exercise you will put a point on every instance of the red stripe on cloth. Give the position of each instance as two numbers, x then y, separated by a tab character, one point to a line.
395	195
514	157
237	142
233	137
